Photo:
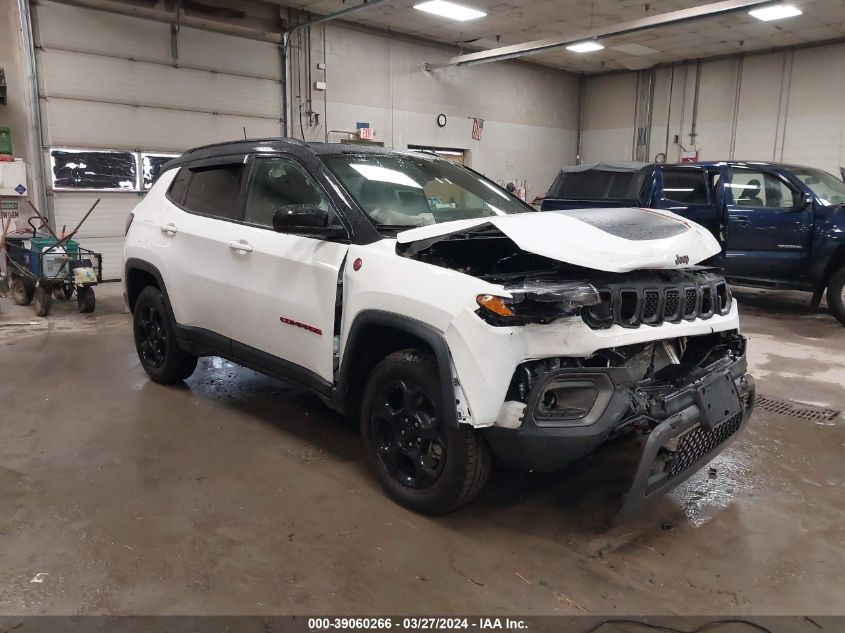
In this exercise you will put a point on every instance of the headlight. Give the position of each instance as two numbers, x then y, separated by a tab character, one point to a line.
537	301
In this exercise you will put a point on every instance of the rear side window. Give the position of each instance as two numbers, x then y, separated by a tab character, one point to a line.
178	186
687	186
215	191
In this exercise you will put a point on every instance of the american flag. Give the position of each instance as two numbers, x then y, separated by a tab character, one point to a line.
477	129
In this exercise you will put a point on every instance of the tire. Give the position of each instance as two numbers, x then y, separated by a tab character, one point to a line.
155	340
43	301
22	292
85	299
443	467
836	295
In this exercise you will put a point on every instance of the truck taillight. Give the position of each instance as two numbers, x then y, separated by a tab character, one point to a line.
129	219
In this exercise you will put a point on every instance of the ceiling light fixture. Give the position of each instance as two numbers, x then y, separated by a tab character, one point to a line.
777	12
584	47
450	10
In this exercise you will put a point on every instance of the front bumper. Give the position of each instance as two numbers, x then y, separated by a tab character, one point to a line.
685	433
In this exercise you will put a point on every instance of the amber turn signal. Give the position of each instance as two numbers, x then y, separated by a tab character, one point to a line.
495	304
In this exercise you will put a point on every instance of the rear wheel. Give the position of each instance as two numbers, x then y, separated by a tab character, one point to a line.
836	295
85	299
43	301
424	463
155	340
22	292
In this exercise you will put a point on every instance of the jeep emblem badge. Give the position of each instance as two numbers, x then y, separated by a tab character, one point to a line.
681	259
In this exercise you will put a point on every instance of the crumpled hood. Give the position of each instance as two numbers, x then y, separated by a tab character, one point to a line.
613	240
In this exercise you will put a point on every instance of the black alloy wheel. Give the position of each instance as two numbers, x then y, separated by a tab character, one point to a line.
151	337
409	434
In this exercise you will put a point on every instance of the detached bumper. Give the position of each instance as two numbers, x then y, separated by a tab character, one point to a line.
693	424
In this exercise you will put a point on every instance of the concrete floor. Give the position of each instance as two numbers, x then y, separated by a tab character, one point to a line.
235	494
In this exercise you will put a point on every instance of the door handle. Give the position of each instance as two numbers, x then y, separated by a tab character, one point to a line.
168	229
741	219
241	247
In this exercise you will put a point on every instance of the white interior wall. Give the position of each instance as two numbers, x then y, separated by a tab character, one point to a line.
530	112
788	108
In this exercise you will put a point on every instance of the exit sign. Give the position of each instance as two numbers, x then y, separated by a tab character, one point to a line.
366	133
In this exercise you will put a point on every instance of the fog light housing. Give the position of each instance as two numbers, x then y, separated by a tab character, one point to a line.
571	399
563	399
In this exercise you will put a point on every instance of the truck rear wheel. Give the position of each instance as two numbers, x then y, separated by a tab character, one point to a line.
836	295
423	462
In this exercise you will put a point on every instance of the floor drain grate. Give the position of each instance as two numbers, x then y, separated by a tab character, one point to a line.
794	409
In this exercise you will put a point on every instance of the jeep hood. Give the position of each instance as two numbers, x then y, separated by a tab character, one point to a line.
613	240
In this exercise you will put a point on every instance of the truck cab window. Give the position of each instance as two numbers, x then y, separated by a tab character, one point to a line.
685	186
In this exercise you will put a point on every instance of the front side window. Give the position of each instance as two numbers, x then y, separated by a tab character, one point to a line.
279	182
686	186
828	188
403	191
762	190
215	191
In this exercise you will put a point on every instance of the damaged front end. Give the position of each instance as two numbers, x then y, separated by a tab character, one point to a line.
689	396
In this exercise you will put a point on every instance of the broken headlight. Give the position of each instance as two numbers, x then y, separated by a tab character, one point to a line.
536	301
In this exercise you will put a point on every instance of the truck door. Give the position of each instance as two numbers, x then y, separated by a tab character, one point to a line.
689	192
769	224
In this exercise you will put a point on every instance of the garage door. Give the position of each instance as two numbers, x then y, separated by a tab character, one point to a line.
108	82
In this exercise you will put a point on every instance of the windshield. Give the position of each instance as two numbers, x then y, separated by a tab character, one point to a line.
828	188
402	191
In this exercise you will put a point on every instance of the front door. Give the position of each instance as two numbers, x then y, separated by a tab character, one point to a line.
769	225
287	301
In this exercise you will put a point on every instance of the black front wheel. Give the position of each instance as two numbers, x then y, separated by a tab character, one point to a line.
836	295
424	463
155	340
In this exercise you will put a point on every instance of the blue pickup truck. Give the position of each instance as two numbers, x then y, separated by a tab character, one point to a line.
780	226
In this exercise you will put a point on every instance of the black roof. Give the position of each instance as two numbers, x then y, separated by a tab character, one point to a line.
278	144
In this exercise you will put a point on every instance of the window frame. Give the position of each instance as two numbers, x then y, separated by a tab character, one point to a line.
797	194
95	150
218	161
141	156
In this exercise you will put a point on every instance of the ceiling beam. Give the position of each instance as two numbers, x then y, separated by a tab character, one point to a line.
642	24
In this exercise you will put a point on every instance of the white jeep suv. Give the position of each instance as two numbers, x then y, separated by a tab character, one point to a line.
452	319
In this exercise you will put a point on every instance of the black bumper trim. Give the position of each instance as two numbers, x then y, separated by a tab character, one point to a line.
648	485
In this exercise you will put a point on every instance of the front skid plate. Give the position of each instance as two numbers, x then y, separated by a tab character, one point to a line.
648	485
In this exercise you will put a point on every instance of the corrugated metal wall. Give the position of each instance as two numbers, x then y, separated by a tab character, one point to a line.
107	81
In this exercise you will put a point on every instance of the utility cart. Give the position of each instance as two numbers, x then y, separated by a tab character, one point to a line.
43	268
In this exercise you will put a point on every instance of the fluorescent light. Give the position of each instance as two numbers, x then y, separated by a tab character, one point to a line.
383	174
584	47
450	10
777	12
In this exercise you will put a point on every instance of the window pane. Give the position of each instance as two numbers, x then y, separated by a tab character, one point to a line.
151	165
828	188
279	182
90	169
686	186
177	187
752	188
215	191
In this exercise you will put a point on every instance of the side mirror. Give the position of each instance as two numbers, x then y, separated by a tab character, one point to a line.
808	199
300	218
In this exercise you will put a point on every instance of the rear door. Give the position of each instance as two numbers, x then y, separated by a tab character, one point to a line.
193	235
287	295
769	224
691	193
